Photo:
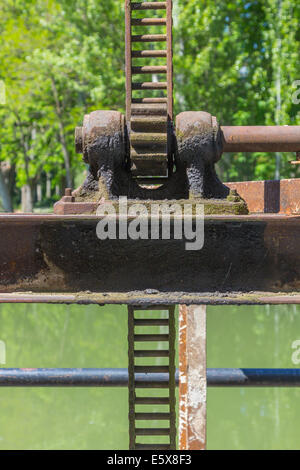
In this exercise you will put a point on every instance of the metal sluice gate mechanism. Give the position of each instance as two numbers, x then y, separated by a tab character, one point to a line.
150	128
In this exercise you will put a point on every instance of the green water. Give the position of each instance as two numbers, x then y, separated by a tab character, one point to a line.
92	336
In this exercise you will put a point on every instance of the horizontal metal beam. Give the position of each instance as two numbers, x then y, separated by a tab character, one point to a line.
119	378
253	377
261	138
62	255
148	300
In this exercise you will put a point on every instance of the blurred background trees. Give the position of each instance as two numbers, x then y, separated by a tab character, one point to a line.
61	59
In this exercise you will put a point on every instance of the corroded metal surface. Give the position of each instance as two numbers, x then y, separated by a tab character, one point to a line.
199	147
145	298
63	254
233	204
277	197
141	359
102	142
261	138
192	377
149	118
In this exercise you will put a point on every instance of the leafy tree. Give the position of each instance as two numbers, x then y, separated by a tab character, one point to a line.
58	62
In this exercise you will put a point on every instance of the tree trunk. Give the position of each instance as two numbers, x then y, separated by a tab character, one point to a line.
65	154
5	194
26	198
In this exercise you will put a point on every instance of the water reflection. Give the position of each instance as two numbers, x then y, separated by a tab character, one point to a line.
253	337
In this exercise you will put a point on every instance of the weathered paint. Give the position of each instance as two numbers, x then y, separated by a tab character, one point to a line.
192	377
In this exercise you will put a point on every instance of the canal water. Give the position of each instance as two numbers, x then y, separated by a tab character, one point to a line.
92	336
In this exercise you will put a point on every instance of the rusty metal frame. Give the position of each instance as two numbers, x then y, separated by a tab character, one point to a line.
58	259
192	377
128	61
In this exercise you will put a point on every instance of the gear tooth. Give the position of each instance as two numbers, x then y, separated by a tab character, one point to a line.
149	109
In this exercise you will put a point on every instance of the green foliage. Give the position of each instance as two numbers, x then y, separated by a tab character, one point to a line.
61	59
229	57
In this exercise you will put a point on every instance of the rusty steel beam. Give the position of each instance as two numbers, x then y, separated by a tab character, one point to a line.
270	197
261	138
143	132
192	377
62	255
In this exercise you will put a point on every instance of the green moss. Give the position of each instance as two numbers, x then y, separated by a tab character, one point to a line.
211	206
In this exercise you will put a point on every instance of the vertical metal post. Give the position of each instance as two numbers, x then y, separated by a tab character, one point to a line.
192	377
